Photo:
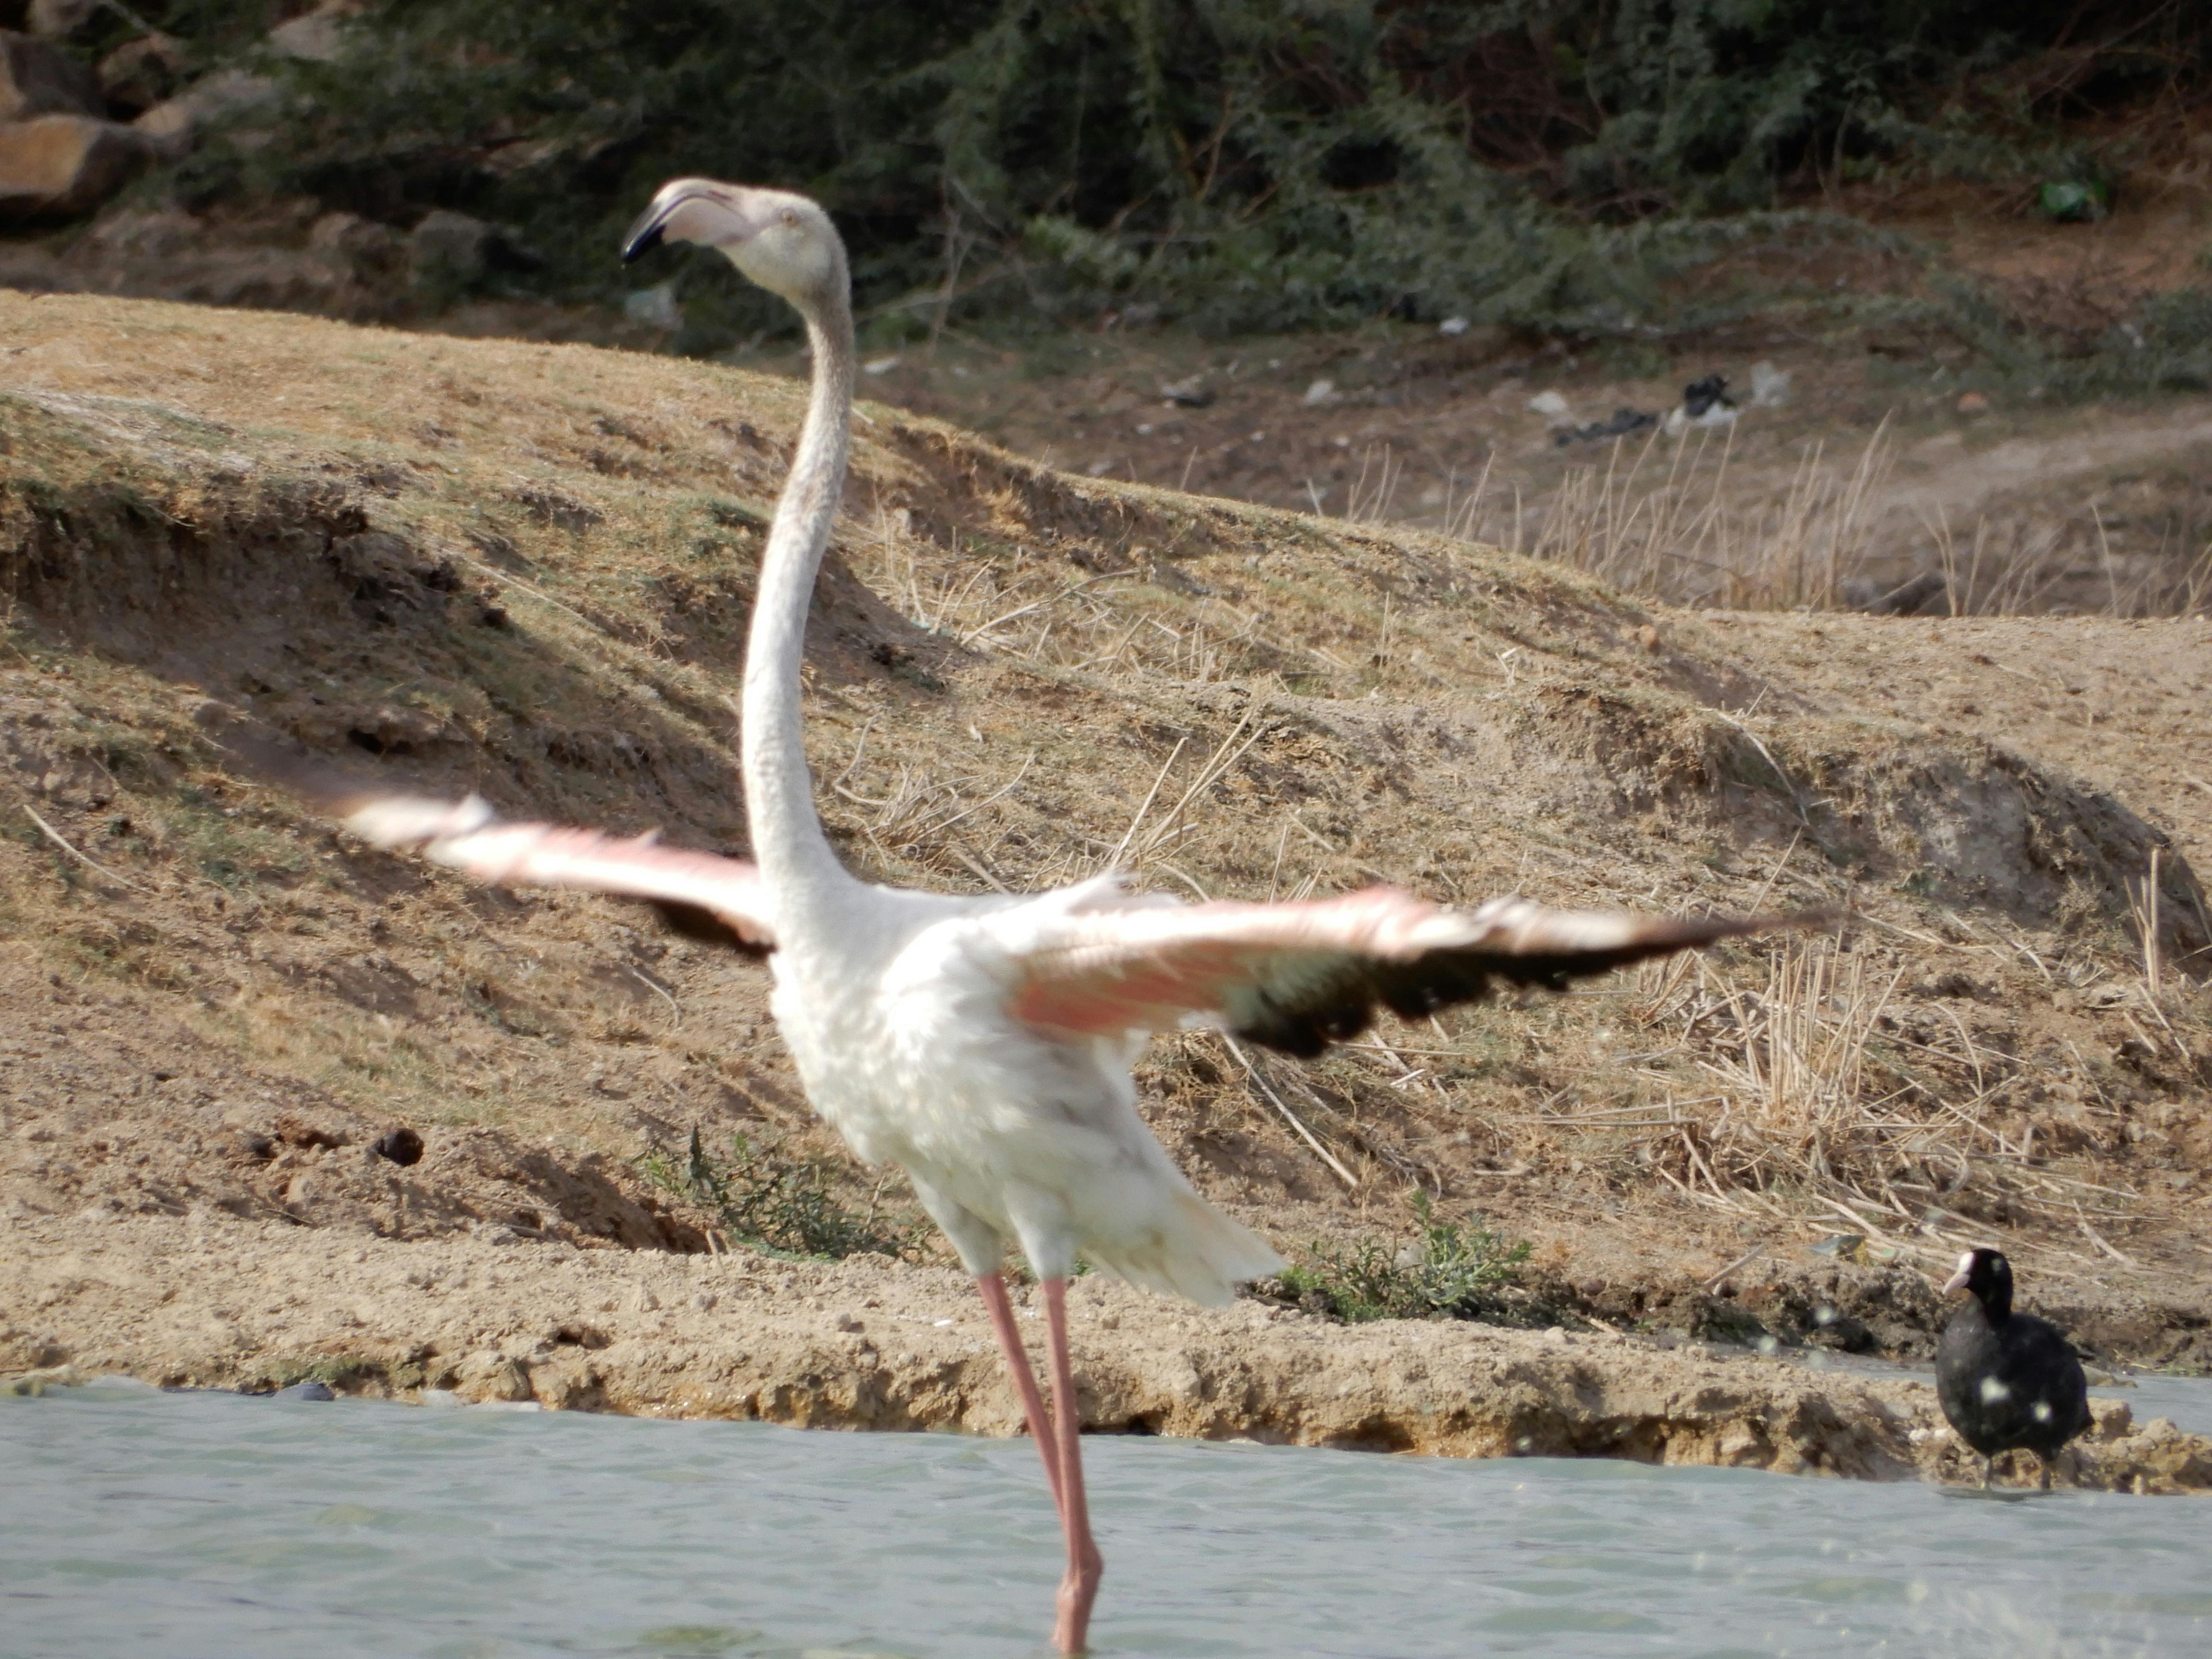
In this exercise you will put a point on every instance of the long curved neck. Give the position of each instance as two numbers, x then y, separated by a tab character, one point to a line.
795	857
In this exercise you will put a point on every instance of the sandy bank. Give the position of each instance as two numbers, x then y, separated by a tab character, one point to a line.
213	1301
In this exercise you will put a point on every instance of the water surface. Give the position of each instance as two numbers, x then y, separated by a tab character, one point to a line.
152	1525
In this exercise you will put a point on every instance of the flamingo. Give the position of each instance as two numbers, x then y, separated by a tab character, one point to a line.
983	1043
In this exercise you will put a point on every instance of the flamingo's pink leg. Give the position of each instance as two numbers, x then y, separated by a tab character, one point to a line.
1078	1588
994	1287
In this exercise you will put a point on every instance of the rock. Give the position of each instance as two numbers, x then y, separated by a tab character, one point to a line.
317	36
1320	392
1770	387
139	73
1832	1328
488	1376
33	1383
402	1146
657	307
358	249
37	79
61	166
305	1391
1193	393
1973	402
448	248
1453	326
1624	422
1553	408
176	123
136	233
56	20
169	126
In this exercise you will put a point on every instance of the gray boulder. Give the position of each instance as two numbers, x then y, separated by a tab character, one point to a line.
448	249
57	20
356	249
172	124
37	79
315	37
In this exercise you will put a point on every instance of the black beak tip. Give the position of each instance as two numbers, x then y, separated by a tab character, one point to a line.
642	244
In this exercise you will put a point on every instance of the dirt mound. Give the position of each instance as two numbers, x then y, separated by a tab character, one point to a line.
523	570
111	1117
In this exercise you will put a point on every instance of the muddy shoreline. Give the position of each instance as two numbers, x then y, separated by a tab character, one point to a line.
212	1301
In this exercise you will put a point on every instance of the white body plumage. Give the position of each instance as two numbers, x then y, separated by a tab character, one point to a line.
901	1029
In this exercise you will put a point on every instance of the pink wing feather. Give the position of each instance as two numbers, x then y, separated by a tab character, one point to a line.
466	836
1297	977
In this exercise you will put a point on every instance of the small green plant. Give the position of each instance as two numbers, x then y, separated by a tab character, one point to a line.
2073	200
782	1206
1451	1270
342	1372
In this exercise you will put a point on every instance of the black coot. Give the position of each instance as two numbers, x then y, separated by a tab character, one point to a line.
2007	1380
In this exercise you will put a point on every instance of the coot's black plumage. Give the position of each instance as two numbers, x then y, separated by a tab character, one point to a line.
2008	1381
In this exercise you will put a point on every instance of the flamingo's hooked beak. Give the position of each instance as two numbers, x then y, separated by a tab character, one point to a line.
692	210
650	227
644	235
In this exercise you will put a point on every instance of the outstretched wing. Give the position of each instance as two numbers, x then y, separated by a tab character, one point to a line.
701	894
1298	976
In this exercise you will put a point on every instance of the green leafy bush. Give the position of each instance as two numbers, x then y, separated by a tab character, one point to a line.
1244	164
1563	167
777	1204
1451	1270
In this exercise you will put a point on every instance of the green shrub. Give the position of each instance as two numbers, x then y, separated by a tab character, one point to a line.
1451	1270
781	1205
1243	164
1564	167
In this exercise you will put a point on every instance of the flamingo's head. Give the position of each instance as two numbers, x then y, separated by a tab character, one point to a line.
785	243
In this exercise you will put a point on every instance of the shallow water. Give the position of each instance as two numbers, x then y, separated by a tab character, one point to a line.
205	1524
2186	1400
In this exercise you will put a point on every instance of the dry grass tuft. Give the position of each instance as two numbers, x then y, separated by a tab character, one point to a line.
1677	519
1665	518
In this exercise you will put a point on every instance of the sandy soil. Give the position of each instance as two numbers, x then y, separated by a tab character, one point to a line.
524	570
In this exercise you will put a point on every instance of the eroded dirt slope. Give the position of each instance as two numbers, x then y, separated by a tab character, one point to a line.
523	570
